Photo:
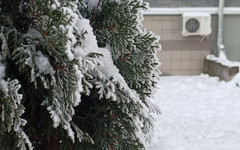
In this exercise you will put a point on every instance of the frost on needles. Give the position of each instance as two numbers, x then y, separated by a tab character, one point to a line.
75	75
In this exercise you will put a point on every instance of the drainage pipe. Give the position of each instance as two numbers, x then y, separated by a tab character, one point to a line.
220	47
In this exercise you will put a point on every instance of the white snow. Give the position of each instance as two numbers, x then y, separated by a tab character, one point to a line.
223	61
43	64
57	3
3	83
198	113
53	7
108	64
70	14
89	44
33	33
2	71
92	4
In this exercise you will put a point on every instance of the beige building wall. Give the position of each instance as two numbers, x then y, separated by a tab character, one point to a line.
180	55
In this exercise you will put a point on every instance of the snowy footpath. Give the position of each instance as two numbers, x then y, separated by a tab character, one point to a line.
198	113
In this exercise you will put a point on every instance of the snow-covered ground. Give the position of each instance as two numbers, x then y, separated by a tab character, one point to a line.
198	113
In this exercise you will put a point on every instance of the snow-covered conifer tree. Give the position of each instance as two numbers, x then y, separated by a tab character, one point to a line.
75	75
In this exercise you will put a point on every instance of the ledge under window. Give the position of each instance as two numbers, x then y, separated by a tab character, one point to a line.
180	10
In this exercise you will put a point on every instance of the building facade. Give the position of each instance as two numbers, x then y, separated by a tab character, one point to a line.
185	55
191	3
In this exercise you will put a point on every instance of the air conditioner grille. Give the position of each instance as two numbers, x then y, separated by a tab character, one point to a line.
192	25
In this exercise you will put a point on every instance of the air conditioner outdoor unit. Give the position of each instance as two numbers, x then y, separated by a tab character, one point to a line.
196	24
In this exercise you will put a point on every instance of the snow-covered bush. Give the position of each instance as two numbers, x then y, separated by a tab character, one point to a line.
75	74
